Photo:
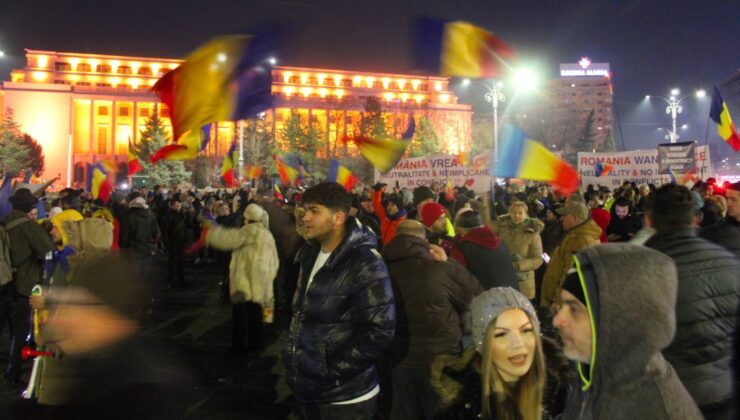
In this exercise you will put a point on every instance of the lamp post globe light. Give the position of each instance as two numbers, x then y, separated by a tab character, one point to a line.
494	96
674	108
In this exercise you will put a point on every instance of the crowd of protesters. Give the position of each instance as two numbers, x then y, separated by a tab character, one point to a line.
518	303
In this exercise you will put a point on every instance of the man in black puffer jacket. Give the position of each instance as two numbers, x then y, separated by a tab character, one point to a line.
708	297
344	317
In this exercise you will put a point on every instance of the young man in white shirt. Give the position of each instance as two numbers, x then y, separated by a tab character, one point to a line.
344	316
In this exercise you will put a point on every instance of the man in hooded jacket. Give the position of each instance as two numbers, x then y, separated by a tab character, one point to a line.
615	327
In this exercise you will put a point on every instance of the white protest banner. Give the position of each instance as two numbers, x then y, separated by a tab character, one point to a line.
415	172
639	166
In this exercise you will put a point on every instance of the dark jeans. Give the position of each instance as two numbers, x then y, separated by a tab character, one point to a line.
247	321
176	264
413	394
364	410
15	307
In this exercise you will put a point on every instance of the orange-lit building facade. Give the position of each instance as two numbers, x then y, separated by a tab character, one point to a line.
83	108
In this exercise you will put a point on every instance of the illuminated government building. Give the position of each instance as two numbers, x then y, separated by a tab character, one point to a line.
83	108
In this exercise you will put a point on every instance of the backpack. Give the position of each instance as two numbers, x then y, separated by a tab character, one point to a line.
6	266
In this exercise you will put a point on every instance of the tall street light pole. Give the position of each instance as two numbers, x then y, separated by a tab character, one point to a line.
494	96
674	108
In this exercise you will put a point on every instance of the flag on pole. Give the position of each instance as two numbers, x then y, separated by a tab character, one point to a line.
288	174
186	148
227	167
342	175
384	154
134	165
99	181
603	169
460	49
254	171
719	113
278	193
528	159
226	79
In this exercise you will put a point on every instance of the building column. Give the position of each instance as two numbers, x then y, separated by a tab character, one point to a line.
113	132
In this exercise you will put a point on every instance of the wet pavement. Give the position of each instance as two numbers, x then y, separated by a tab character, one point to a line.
196	330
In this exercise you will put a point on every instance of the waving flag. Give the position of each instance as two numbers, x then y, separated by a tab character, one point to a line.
227	168
254	172
527	159
460	49
384	154
226	79
5	194
603	169
134	165
464	158
187	148
719	113
341	175
450	190
278	193
99	181
287	173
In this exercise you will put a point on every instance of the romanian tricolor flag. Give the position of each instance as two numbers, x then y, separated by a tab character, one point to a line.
187	148
278	193
528	159
134	165
384	154
603	169
464	158
99	179
450	190
227	168
460	49
287	173
341	175
721	116
226	79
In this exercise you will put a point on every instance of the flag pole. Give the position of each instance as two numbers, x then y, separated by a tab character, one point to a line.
241	149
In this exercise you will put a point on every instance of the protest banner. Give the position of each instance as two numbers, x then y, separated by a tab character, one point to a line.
639	166
677	158
415	172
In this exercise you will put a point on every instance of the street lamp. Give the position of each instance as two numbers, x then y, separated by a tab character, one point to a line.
494	96
674	108
2	54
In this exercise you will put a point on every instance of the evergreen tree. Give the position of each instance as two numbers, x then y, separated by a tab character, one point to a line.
37	154
373	124
165	172
608	144
302	138
585	141
482	138
15	156
426	140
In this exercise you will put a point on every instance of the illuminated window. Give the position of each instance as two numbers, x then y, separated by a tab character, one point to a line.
102	68
444	98
304	78
102	143
320	78
60	66
346	83
287	76
145	71
415	84
289	90
83	84
38	76
386	82
84	67
400	83
144	112
339	93
123	111
103	85
61	82
294	79
322	92
42	61
437	86
124	70
370	81
337	80
103	111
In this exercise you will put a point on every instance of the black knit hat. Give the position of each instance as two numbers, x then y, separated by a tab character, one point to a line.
23	200
572	284
423	193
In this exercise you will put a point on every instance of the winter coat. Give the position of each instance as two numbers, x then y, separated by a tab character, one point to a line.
29	244
457	381
138	231
254	260
623	227
176	224
487	258
724	234
388	225
525	246
431	300
581	236
343	323
635	319
709	294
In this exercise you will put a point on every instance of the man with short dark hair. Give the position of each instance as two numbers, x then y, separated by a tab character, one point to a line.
623	224
344	317
708	297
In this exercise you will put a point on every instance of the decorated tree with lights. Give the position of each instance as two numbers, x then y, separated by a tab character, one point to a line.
165	172
426	140
15	155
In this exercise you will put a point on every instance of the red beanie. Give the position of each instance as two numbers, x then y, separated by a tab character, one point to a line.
431	212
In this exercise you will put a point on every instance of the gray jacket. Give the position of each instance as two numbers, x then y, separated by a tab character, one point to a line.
635	319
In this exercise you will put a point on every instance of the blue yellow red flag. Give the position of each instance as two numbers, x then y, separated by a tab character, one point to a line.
719	113
227	168
342	175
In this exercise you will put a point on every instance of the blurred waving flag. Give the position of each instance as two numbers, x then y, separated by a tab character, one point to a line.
341	175
384	154
464	158
134	165
99	179
528	159
187	148
6	191
719	113
226	79
603	169
460	49
254	171
227	167
288	174
278	193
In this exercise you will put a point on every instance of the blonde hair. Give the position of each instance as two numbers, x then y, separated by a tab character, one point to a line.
720	201
522	400
519	204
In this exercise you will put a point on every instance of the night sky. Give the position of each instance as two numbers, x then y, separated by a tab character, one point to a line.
652	45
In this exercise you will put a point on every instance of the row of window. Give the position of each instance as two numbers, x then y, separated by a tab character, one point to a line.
106	68
348	83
